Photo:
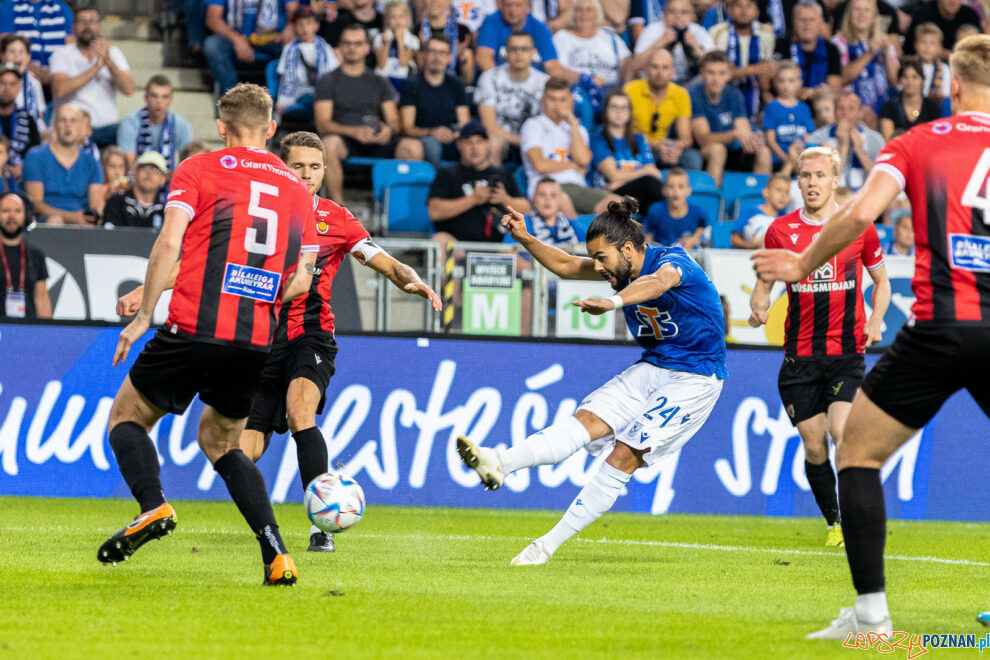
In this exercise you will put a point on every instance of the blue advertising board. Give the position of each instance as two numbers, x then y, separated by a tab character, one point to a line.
397	404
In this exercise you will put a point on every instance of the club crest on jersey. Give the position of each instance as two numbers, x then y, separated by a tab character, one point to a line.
248	282
229	162
322	227
941	128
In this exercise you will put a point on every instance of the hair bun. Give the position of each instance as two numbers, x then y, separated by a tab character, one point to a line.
627	207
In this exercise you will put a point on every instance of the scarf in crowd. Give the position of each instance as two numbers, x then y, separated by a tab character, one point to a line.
871	84
560	232
449	31
750	87
815	73
775	8
20	137
89	147
31	97
652	11
166	140
936	85
250	16
296	69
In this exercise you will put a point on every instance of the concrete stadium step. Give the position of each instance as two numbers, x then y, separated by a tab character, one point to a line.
145	60
139	29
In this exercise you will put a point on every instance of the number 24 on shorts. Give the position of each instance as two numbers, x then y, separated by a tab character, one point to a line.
661	411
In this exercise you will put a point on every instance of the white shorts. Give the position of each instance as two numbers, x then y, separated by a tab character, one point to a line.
652	409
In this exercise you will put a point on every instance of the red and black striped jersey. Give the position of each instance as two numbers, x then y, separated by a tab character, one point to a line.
337	233
944	166
825	314
251	217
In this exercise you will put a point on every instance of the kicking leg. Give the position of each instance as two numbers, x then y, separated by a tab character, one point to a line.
547	447
131	417
219	438
869	438
594	500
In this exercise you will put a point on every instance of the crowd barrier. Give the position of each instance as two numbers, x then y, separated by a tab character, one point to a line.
491	289
397	404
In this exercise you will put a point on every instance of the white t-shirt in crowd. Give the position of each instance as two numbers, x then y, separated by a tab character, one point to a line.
652	33
554	141
473	12
598	56
98	97
514	102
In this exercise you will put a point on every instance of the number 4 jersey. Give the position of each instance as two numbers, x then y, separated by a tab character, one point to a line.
250	219
684	329
943	166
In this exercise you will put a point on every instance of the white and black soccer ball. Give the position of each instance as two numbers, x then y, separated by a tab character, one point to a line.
334	502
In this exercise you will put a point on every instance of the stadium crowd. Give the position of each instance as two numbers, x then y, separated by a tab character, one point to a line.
660	100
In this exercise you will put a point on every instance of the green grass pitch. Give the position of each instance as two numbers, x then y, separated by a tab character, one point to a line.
434	582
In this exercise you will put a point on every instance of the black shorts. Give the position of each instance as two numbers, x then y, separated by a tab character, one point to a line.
737	160
171	370
357	148
809	385
925	366
309	356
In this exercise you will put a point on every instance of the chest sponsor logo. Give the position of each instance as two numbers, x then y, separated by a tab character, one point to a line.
970	252
248	282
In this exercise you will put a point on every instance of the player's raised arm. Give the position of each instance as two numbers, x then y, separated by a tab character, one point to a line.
845	225
164	256
643	288
401	275
558	262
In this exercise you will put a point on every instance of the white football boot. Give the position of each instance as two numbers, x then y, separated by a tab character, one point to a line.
535	554
482	460
848	623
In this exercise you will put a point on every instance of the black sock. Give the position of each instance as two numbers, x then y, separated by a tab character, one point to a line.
864	526
247	488
822	481
138	463
312	453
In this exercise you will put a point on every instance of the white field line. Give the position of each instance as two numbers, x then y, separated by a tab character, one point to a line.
477	537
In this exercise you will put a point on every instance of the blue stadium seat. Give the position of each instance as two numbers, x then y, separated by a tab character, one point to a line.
885	232
356	162
736	184
581	224
521	180
698	180
710	201
400	189
722	235
745	201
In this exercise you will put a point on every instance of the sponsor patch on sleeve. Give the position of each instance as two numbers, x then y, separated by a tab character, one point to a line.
249	282
970	252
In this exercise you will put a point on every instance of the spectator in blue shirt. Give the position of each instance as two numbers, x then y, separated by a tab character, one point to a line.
245	32
155	127
753	222
676	221
514	15
903	241
621	160
45	22
720	123
786	120
64	182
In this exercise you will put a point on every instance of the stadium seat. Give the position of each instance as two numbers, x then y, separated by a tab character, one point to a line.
400	189
885	232
521	180
745	201
736	184
581	224
697	179
710	201
722	235
355	162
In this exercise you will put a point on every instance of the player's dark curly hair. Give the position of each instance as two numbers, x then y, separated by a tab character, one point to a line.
617	226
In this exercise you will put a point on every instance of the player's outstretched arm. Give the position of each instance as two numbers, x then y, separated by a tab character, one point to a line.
759	302
404	277
164	255
873	330
558	262
639	290
845	225
128	304
302	277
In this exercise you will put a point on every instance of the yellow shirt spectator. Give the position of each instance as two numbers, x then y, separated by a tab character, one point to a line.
652	118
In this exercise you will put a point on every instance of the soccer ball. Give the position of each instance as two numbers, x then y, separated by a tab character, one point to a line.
334	502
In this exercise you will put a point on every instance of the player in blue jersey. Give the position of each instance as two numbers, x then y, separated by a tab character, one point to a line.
649	410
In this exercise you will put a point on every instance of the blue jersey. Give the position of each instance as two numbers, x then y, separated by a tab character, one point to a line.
684	329
721	116
666	229
789	124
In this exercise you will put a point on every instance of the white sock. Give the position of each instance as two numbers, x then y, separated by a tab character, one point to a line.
313	529
594	499
547	447
872	608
